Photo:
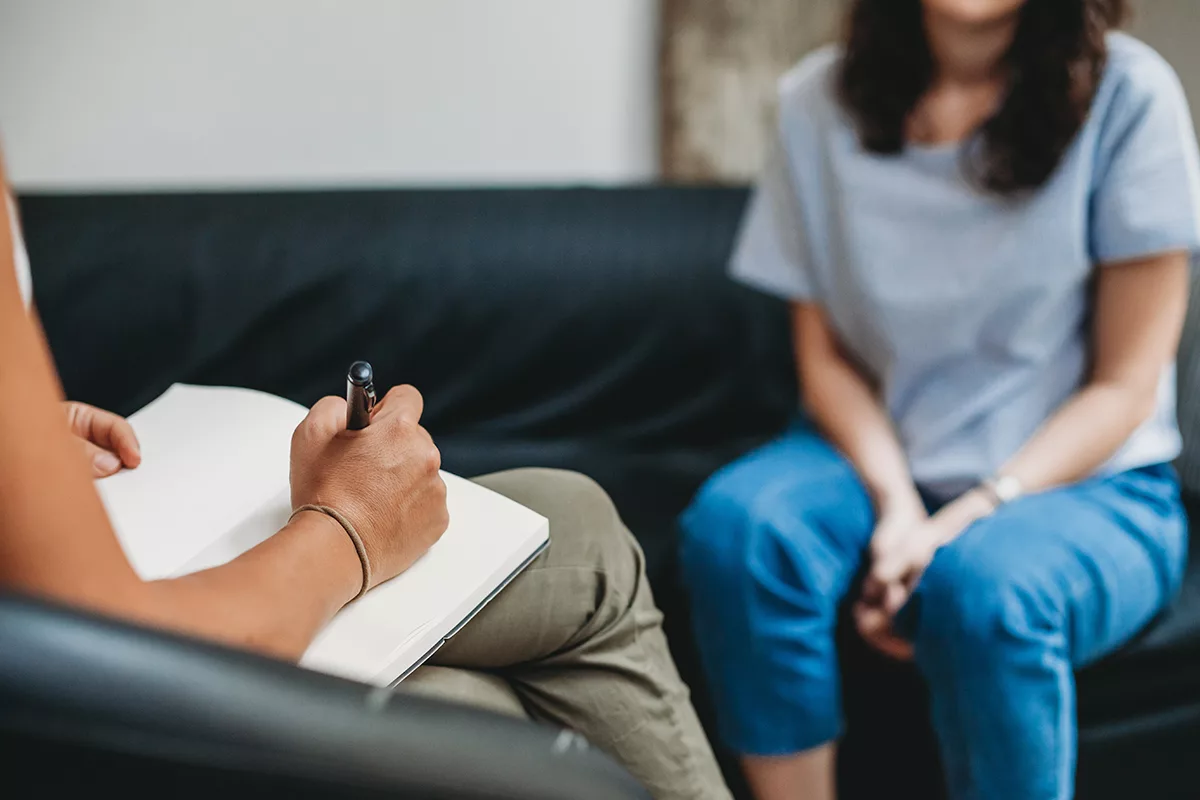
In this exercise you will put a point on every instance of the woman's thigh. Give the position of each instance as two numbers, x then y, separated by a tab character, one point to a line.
770	547
1088	565
787	524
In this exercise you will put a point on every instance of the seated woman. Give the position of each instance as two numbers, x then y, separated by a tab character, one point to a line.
577	635
982	212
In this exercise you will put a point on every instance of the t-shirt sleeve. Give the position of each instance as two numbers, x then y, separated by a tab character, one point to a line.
1147	196
772	251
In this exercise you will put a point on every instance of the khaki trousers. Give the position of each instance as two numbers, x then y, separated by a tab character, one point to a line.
576	640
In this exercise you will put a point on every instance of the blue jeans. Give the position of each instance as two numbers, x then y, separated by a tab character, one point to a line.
772	544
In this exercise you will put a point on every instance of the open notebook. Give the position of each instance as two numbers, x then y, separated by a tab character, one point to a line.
214	482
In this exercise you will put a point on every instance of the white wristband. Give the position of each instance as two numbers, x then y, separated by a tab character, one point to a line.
1003	489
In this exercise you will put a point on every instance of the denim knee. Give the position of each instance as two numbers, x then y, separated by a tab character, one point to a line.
970	607
713	533
765	590
761	551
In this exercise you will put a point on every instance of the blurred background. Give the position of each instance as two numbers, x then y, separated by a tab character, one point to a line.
173	93
104	93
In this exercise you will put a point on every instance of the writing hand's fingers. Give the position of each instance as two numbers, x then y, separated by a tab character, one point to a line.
404	403
326	418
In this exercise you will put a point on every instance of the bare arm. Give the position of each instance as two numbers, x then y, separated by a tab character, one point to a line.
1138	318
1140	308
848	411
1139	313
56	541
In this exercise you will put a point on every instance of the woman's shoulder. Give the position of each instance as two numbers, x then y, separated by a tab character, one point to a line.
808	91
815	74
1136	76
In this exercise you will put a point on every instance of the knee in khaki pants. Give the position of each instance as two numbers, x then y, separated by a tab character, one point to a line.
586	531
477	689
584	526
579	640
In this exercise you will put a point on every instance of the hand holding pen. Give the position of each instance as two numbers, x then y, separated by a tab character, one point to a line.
383	481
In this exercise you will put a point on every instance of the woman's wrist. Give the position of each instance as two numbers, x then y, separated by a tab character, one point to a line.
333	547
973	506
899	501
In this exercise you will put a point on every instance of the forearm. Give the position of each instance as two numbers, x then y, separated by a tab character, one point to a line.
843	406
274	598
58	543
1081	436
1139	311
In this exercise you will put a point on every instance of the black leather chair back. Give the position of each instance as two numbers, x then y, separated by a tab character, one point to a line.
88	704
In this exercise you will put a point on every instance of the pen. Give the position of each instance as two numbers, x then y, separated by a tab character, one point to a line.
360	395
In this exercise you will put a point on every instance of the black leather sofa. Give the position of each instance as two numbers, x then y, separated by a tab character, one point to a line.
587	329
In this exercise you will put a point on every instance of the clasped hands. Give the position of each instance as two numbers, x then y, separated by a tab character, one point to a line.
904	542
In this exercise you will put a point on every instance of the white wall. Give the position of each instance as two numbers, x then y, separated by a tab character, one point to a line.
185	93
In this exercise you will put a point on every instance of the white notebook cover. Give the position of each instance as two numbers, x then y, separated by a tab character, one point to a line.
214	482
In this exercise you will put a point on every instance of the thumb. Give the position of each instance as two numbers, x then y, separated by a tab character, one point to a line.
104	462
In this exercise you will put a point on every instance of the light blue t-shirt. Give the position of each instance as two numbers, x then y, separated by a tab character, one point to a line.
971	311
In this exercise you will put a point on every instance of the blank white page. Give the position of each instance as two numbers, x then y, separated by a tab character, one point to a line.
211	459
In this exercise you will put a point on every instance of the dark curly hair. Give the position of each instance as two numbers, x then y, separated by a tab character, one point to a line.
1055	65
